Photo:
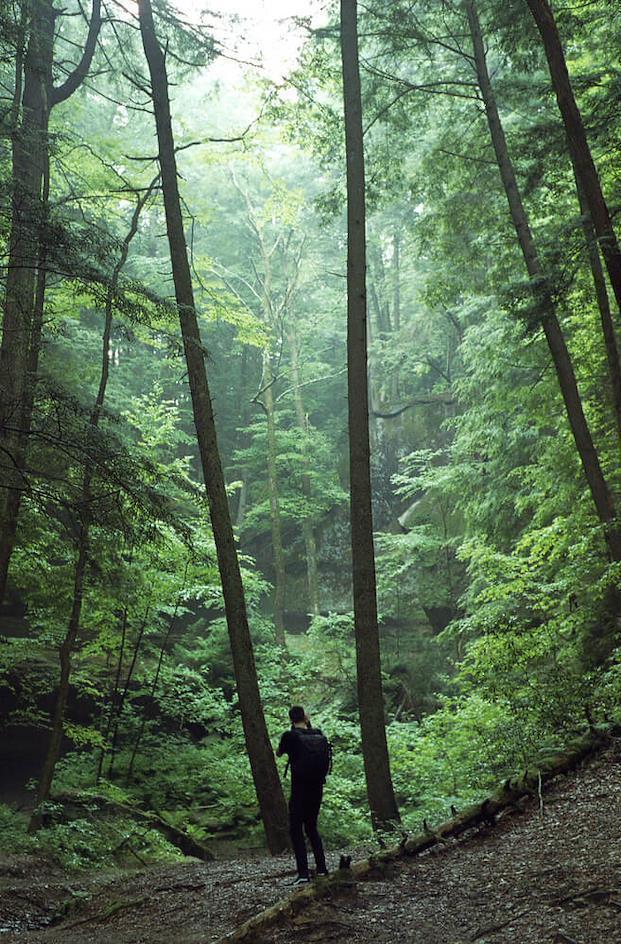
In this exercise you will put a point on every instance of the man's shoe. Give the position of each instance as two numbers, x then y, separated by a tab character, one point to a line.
321	874
300	880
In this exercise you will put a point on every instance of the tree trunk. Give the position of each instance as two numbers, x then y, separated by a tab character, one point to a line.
30	159
114	699
579	150
603	304
12	500
120	704
25	283
66	649
68	644
241	438
370	697
261	755
272	487
396	269
308	531
598	486
156	677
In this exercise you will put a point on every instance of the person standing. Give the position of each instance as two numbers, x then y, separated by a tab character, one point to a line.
309	757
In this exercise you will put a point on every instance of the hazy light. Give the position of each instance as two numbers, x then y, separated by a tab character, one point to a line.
265	33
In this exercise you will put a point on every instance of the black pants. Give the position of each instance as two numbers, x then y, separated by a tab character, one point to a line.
303	813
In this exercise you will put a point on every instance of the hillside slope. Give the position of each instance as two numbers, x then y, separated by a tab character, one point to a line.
546	875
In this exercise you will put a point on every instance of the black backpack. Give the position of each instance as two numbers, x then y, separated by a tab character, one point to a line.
312	759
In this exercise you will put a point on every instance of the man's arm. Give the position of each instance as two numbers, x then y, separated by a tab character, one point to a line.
283	747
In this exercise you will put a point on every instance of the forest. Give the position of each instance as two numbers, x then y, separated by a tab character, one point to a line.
310	393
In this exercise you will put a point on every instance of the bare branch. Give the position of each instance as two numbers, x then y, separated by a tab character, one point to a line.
75	79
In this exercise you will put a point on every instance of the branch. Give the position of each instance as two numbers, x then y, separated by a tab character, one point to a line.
307	383
430	399
73	82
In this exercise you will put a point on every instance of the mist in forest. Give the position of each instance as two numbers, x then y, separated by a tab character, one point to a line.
310	393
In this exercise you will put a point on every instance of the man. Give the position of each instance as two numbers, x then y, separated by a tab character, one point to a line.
308	751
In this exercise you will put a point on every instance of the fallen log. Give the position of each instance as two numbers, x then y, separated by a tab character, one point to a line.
175	836
486	813
479	814
336	884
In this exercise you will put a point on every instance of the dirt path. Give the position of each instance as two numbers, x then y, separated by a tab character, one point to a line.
553	878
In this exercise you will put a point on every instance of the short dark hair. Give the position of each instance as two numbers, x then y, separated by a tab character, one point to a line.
297	714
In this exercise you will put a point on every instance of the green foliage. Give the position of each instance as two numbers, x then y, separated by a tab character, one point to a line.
495	590
85	843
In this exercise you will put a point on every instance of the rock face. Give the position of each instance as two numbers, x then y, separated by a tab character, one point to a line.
21	749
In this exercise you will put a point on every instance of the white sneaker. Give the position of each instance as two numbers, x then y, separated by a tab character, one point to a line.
300	880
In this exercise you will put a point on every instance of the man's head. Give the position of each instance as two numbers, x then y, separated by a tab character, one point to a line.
297	714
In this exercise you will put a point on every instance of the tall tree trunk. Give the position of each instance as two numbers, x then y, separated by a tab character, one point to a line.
308	531
598	486
121	702
396	322
21	332
260	753
156	677
272	486
241	438
370	697
579	149
114	698
396	270
13	497
603	303
82	557
30	159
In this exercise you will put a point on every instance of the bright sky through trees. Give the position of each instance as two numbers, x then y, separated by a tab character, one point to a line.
264	32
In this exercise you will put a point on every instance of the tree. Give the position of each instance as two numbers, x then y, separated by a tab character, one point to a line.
370	696
260	753
600	491
599	229
83	550
308	531
25	284
579	149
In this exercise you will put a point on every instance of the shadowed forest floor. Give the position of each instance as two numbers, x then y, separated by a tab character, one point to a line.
551	876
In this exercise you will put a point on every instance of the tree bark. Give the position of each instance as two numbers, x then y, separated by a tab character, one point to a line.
82	558
25	284
308	531
370	696
260	753
603	303
114	698
272	487
578	144
30	159
598	486
156	677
